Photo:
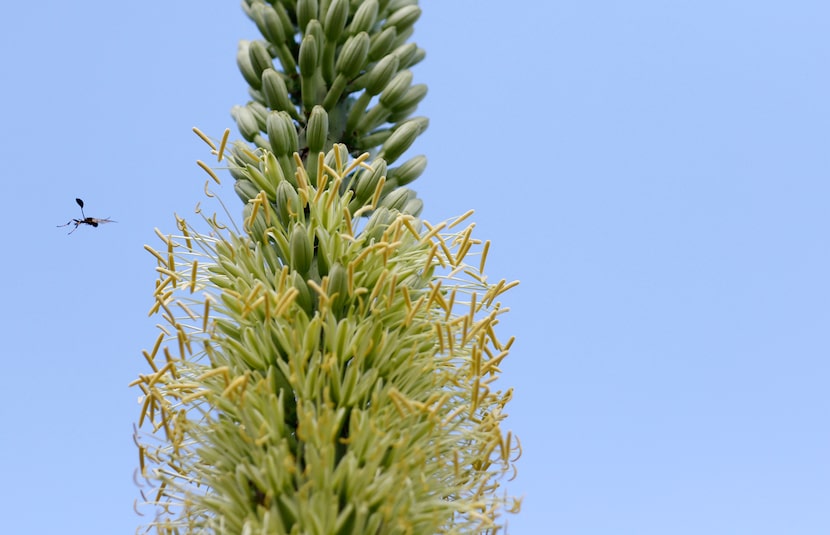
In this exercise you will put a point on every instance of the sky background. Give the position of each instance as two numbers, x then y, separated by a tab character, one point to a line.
654	172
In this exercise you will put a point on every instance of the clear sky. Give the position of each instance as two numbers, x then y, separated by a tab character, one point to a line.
655	173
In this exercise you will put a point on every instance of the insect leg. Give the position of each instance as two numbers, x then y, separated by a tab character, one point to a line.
77	222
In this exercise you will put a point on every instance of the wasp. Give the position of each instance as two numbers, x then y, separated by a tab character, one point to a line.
91	221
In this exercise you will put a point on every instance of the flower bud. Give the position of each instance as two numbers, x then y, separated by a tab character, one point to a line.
403	18
364	17
397	199
405	53
287	202
411	98
317	130
243	61
308	56
268	22
300	248
260	58
275	91
381	74
382	43
409	171
335	21
306	11
396	89
282	134
400	140
367	181
303	298
338	287
245	121
245	189
413	207
353	55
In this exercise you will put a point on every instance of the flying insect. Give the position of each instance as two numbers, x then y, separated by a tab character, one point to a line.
91	221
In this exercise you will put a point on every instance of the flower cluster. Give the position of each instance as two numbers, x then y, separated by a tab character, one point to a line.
321	373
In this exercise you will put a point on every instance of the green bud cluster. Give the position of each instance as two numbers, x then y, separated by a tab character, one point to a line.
333	71
295	214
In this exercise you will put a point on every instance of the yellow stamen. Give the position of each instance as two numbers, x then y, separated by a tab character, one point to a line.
204	138
484	256
209	171
223	143
156	254
461	218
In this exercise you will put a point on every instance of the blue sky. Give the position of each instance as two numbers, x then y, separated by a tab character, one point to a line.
655	173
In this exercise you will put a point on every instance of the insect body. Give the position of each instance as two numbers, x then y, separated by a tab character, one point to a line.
91	221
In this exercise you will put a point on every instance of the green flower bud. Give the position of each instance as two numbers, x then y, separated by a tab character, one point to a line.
338	287
336	17
397	199
401	139
409	171
260	113
285	19
306	10
364	17
317	130
403	18
378	223
304	298
401	114
413	207
282	134
416	57
243	60
268	22
287	202
315	28
381	74
308	56
245	189
275	92
396	89
242	154
405	53
273	172
382	43
300	248
367	181
353	55
411	98
246	121
323	254
260	58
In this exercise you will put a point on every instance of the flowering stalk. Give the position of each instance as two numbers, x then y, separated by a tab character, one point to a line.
329	368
